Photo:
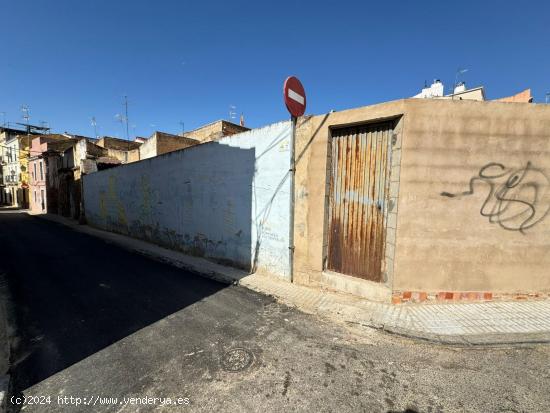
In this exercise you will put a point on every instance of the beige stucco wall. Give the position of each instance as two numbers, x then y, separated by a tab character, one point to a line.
312	140
434	242
445	244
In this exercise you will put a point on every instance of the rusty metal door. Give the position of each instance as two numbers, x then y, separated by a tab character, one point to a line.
359	187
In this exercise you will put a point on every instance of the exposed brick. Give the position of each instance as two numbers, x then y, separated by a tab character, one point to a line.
466	296
396	300
472	296
215	131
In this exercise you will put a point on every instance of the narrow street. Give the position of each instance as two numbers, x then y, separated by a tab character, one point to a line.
95	322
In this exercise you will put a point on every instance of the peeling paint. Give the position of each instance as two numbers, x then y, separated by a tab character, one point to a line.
226	200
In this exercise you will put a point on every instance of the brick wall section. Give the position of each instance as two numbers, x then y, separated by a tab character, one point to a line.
405	297
168	143
118	144
229	128
215	130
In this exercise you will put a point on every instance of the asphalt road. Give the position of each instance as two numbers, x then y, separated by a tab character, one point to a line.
95	322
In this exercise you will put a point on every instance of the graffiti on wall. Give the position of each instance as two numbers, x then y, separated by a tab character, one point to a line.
517	199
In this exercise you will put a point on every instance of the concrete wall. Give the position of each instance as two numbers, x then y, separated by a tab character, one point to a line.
148	149
456	243
441	242
224	200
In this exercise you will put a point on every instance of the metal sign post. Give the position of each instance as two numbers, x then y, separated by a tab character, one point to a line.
292	173
295	101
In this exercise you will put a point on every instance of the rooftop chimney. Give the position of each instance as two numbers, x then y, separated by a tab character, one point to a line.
460	87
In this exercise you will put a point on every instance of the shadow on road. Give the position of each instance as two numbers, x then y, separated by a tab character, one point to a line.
71	295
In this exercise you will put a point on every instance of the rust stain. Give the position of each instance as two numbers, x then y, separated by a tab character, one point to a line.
358	194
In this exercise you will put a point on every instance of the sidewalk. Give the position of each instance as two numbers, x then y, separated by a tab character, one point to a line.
489	323
4	344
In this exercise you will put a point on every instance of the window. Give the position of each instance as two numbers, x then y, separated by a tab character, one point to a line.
41	172
34	172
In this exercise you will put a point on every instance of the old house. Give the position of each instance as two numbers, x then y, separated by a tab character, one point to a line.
9	165
15	153
80	158
125	151
15	169
44	163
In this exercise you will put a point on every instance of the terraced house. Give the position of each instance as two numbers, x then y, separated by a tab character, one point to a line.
15	159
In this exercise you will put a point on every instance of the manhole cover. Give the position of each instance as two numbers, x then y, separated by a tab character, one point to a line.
237	359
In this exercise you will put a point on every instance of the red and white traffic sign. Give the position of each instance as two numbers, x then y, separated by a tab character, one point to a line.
295	96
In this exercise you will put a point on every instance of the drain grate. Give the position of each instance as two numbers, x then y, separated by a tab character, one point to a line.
237	359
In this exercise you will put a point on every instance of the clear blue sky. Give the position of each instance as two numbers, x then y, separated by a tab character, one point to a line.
189	60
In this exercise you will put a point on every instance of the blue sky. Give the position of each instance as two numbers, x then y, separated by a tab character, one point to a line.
189	61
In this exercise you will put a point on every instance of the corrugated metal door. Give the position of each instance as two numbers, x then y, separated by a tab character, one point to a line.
360	167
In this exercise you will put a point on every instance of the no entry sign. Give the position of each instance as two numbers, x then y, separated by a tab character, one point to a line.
295	96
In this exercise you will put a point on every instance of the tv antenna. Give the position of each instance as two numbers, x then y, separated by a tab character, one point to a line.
120	118
458	73
232	111
126	116
182	124
94	124
25	113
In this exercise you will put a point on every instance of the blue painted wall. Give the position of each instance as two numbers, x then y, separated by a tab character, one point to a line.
225	200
